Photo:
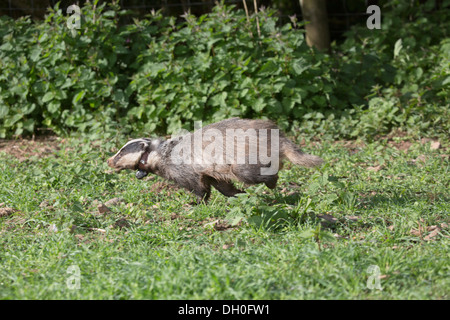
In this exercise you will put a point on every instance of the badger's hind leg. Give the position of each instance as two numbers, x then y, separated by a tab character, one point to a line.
251	174
271	183
225	187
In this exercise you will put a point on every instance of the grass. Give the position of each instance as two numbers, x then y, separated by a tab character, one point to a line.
314	237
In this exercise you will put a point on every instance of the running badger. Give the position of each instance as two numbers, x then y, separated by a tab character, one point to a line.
215	155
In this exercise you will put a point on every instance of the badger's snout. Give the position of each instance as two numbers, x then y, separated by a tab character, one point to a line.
110	162
124	161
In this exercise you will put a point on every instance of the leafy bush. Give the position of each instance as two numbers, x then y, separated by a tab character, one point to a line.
156	75
153	74
52	79
217	66
403	70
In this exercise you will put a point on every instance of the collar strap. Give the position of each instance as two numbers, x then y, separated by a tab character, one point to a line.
143	161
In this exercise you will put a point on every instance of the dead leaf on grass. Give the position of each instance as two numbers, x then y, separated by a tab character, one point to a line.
353	218
161	186
328	218
422	158
5	212
432	234
210	224
44	204
218	225
222	225
435	145
174	216
79	237
97	229
375	168
434	231
401	145
415	232
122	223
114	202
102	208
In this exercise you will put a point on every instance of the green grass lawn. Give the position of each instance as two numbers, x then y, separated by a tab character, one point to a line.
314	237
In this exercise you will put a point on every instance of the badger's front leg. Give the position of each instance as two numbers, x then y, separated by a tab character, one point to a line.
202	190
192	181
203	195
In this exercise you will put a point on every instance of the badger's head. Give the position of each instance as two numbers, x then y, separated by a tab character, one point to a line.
133	155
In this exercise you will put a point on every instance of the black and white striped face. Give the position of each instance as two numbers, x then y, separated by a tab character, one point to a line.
130	154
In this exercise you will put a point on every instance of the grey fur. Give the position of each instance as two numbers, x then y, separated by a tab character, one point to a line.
160	157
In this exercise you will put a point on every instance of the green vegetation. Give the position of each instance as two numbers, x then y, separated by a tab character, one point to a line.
155	76
381	198
314	237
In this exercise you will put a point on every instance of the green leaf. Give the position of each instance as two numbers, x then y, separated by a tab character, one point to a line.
29	108
219	99
3	111
299	66
9	122
6	46
313	188
419	72
29	125
397	47
53	106
48	96
35	54
307	234
269	68
78	97
259	105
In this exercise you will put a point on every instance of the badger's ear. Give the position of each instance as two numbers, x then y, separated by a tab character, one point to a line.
151	144
155	143
145	146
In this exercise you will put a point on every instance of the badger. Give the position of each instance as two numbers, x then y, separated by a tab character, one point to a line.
249	151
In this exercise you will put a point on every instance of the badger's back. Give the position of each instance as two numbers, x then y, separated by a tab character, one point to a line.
263	130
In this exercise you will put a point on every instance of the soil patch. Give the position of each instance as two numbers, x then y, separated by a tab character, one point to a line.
23	149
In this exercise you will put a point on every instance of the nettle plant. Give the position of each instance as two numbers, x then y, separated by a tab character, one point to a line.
59	80
219	66
154	74
157	75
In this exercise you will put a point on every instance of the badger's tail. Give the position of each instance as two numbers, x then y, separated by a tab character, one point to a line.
296	156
